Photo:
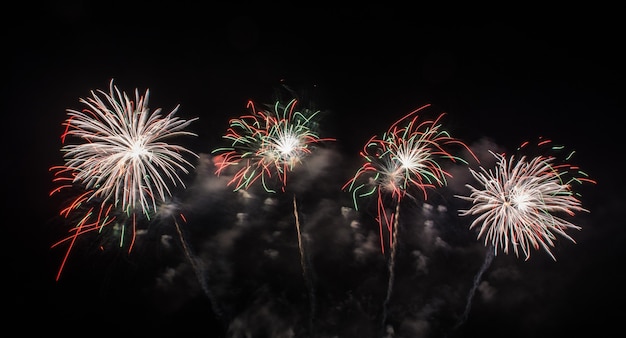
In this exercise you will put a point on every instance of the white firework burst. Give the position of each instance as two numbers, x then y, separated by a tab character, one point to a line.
521	202
122	153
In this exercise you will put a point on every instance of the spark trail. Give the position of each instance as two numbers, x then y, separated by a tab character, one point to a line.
266	145
406	157
304	262
477	278
198	270
391	267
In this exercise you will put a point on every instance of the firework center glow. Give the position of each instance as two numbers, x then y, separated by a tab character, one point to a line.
287	145
521	198
138	149
409	160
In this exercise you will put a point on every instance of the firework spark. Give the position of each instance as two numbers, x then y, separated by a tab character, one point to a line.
521	202
119	167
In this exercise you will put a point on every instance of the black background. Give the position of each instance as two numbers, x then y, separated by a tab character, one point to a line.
506	75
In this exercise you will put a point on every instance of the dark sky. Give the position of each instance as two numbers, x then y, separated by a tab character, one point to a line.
501	77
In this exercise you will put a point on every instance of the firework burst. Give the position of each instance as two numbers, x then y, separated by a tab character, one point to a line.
118	166
122	154
406	157
522	202
268	144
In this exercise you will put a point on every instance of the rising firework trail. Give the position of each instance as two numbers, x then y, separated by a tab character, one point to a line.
406	157
522	203
170	210
477	278
265	146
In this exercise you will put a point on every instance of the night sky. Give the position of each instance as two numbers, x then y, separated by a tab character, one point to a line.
501	78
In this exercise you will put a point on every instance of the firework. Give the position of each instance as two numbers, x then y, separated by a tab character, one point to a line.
119	167
522	202
406	157
268	144
122	153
